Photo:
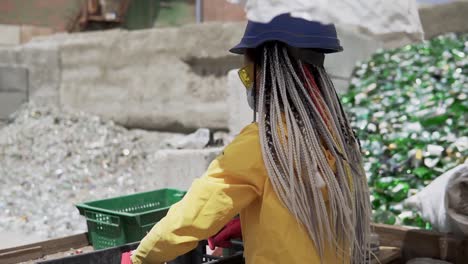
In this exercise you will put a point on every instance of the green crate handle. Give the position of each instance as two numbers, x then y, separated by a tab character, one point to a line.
91	216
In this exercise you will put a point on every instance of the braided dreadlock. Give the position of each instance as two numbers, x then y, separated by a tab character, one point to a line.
302	124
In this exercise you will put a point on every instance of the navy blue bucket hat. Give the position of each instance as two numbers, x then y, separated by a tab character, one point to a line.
295	32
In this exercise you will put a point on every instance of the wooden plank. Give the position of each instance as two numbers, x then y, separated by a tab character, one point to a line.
413	243
422	243
40	249
107	255
16	256
99	18
387	255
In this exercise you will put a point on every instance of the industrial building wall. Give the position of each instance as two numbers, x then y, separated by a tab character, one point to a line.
53	14
221	10
143	14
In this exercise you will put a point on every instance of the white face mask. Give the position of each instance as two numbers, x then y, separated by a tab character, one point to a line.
251	98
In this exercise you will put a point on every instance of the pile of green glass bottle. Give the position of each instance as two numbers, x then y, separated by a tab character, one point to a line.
409	109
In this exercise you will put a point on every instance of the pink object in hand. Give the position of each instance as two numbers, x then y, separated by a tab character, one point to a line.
223	238
126	258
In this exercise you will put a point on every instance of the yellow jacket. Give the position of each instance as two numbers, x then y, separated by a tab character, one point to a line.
236	182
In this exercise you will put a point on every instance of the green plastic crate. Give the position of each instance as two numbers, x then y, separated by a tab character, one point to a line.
124	219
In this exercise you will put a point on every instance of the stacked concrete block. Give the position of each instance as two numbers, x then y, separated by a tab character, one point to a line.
178	168
10	35
165	79
40	65
13	89
9	55
152	79
449	17
42	61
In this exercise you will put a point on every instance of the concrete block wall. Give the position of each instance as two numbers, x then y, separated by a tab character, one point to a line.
10	35
42	60
10	55
13	89
450	17
178	168
40	63
179	88
26	70
170	79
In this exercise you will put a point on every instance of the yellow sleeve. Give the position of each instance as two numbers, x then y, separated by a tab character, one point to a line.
232	181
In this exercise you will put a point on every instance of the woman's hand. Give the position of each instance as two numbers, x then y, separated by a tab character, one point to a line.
126	258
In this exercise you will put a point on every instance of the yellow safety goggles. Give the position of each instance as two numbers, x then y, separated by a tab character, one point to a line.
246	75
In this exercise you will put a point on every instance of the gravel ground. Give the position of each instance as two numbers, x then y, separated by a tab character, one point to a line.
50	160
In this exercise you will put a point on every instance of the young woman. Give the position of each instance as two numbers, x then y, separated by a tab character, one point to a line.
295	176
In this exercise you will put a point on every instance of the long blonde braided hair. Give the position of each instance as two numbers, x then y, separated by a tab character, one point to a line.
301	121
